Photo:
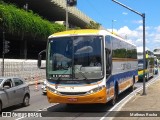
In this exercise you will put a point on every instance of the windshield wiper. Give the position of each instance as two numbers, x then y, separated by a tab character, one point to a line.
60	76
82	74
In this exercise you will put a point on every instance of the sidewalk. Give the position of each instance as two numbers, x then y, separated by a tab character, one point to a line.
140	104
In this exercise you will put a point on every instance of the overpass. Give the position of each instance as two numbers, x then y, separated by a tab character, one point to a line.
55	10
52	10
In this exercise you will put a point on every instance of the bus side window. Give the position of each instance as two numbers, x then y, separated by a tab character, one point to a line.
108	62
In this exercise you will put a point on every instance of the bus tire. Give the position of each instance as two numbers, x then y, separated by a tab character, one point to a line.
115	97
131	89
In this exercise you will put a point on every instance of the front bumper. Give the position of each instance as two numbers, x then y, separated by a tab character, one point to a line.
98	97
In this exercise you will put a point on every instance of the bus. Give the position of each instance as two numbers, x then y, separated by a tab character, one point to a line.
149	67
71	79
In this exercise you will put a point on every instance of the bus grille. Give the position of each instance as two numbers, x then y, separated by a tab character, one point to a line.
72	93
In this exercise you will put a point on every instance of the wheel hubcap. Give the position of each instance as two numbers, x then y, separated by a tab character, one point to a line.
27	100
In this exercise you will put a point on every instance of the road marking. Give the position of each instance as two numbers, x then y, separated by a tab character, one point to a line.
38	111
127	98
120	104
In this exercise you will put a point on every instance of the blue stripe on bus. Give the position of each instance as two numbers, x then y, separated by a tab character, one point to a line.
121	76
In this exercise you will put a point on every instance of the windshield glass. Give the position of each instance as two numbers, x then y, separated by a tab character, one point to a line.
78	57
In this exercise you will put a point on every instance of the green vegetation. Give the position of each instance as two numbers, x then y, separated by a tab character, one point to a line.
93	25
19	21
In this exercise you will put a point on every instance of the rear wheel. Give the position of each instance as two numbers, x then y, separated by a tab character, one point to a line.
132	87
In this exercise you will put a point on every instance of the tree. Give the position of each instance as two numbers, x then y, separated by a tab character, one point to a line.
93	25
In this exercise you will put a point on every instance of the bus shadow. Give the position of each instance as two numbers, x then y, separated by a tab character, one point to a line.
80	108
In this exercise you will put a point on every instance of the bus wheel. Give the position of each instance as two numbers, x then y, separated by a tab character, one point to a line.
131	89
115	97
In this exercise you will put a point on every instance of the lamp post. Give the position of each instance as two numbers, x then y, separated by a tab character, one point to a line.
112	25
25	41
66	14
69	3
144	53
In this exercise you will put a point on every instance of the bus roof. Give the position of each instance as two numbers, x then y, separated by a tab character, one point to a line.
76	32
87	32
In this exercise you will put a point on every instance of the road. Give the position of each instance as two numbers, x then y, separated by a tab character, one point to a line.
39	102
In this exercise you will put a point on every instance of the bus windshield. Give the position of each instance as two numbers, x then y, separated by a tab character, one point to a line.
70	58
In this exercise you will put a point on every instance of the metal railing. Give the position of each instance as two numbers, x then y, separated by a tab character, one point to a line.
26	69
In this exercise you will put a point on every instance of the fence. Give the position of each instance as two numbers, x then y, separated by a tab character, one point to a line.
26	69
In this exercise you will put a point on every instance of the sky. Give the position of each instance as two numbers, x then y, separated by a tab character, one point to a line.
126	23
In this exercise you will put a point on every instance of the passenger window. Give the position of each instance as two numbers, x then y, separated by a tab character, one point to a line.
17	81
8	83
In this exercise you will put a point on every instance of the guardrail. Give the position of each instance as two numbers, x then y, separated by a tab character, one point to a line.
26	69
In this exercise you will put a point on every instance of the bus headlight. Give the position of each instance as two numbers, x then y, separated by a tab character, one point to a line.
52	90
96	89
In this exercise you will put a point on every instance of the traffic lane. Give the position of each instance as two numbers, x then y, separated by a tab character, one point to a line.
94	111
37	101
79	111
76	111
37	98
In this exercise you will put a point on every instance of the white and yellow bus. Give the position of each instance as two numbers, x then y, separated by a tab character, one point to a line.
71	79
149	65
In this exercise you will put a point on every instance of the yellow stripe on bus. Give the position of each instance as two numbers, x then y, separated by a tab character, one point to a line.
77	32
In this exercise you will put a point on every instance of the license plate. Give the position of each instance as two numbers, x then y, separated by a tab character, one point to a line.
72	99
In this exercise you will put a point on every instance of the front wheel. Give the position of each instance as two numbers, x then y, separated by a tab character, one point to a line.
115	97
26	100
131	89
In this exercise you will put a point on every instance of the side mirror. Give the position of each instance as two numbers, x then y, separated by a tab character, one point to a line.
40	59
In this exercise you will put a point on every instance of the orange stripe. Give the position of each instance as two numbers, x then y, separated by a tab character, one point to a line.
136	78
123	59
125	84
